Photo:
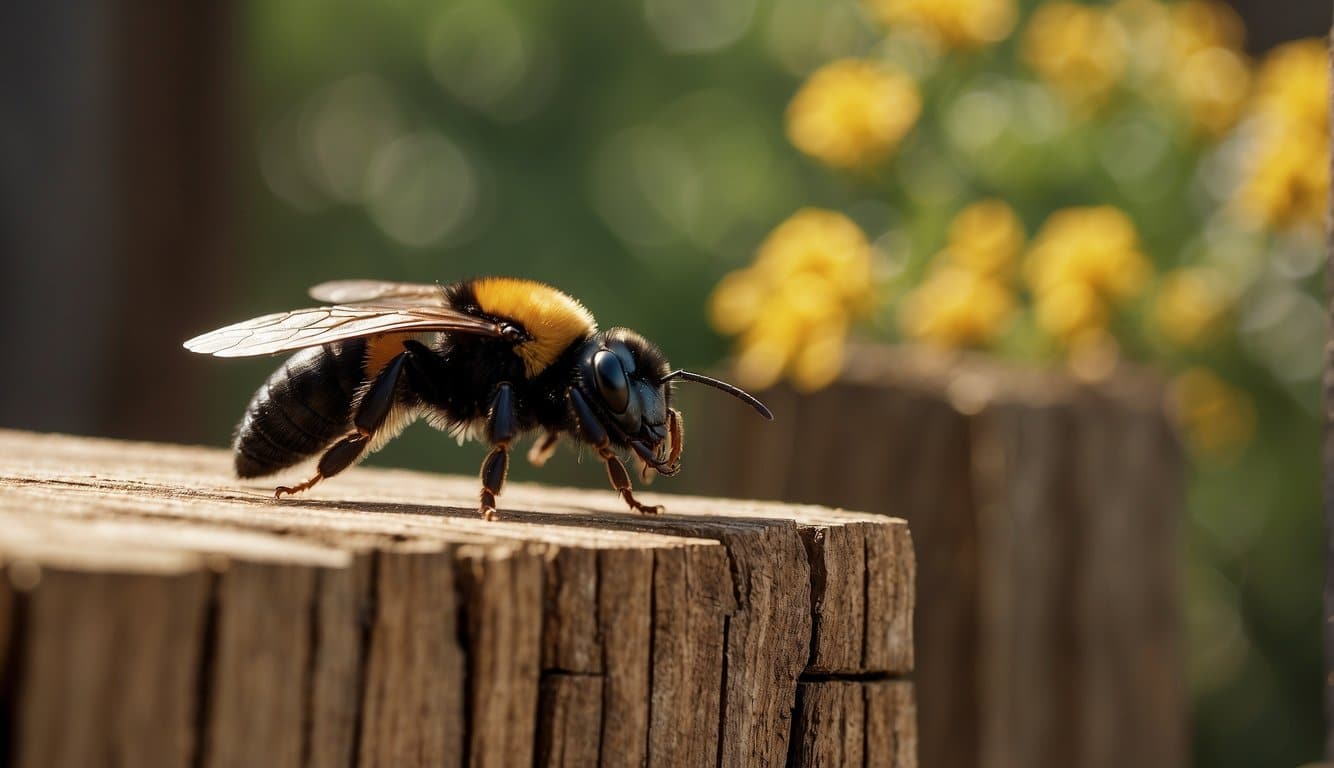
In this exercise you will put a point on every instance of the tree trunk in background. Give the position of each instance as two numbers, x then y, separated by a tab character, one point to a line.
1045	515
115	125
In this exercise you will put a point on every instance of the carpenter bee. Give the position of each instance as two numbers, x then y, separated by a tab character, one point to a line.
490	358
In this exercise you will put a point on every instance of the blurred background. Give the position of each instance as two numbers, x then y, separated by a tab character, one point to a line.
168	168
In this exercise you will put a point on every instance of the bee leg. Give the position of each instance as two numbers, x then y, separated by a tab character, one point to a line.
593	432
494	469
543	448
371	413
620	480
500	430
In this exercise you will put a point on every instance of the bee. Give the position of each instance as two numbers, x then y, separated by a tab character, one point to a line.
492	358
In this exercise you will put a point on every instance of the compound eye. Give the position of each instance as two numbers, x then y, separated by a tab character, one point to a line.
611	381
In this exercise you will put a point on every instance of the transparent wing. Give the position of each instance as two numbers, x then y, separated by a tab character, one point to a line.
379	291
300	328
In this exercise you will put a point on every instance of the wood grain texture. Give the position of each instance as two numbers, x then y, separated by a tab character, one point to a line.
501	597
379	622
891	725
829	725
111	667
412	709
342	616
258	662
570	733
688	648
625	624
1044	516
855	722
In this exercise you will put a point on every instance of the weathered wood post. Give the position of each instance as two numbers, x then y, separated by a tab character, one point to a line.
1327	459
1044	514
154	612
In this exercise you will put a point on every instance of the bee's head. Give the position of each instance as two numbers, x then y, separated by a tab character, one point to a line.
628	381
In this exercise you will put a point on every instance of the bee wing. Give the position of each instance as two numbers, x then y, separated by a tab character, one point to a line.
383	291
286	331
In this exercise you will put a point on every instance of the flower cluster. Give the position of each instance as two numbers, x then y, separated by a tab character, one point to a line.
1206	68
961	24
793	306
1079	50
1287	180
852	113
1084	263
1190	52
968	299
1134	109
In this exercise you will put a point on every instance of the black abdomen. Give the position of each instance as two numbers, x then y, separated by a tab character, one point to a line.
303	407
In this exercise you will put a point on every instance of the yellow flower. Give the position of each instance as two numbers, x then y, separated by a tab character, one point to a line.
852	113
1205	66
1213	84
1070	311
1286	182
1218	419
986	237
961	24
820	246
1191	52
1198	25
1079	50
1082	262
1190	306
1293	84
737	301
1096	248
820	358
957	307
792	307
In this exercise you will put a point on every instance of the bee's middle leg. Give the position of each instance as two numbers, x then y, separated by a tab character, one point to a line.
501	427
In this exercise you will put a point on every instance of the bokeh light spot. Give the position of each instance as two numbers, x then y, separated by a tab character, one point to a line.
698	26
421	189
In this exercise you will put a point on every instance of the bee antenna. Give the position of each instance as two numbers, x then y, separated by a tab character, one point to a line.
730	389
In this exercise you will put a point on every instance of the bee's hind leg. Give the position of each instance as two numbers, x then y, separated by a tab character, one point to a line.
371	413
335	460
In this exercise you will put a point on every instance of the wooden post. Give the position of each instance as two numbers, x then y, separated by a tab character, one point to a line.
1045	516
156	612
1327	459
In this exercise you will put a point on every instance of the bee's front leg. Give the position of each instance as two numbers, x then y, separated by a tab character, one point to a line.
592	431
